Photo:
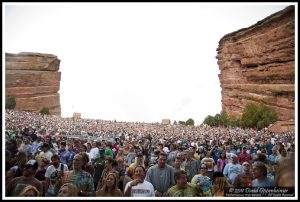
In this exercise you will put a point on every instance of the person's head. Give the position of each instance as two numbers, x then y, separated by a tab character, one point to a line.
85	157
29	191
162	159
235	159
94	144
30	167
102	152
259	170
285	173
20	158
111	181
203	169
177	161
83	148
78	162
223	155
67	190
45	147
43	162
246	166
220	183
160	146
180	177
63	145
262	158
109	163
139	173
244	149
55	160
139	158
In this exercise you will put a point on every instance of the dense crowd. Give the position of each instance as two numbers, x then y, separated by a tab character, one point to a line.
53	156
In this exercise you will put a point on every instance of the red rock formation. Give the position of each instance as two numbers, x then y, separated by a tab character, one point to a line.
257	64
33	79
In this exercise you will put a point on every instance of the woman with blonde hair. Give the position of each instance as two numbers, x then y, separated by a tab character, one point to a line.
68	189
29	191
110	186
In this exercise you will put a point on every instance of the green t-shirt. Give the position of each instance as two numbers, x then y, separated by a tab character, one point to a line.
189	191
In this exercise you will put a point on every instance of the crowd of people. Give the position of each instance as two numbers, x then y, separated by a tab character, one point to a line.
51	156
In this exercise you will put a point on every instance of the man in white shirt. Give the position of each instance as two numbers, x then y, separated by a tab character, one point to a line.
139	187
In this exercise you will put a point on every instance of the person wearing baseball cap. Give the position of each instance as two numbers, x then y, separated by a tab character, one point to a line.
15	186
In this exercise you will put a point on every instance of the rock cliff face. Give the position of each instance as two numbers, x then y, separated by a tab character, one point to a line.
33	79
257	64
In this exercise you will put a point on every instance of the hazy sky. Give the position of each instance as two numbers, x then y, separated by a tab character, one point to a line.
132	61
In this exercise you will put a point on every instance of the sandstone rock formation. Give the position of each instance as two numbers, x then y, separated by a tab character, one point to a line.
257	64
33	79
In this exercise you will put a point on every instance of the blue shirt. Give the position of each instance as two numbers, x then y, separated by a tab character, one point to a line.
267	182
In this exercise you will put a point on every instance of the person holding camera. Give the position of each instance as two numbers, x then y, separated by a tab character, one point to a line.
53	175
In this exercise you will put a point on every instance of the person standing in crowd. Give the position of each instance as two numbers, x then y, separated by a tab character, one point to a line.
36	144
110	186
81	179
161	176
182	187
64	154
109	165
272	157
139	160
26	147
94	153
260	175
99	165
53	173
45	153
192	166
86	165
71	156
139	187
12	147
221	162
130	156
244	156
172	154
244	179
16	185
233	169
18	165
177	163
202	181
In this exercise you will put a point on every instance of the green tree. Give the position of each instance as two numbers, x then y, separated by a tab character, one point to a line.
45	110
234	121
175	122
257	115
210	120
190	122
217	119
223	119
181	122
10	102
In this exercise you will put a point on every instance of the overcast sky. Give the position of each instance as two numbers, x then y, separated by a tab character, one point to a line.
132	61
